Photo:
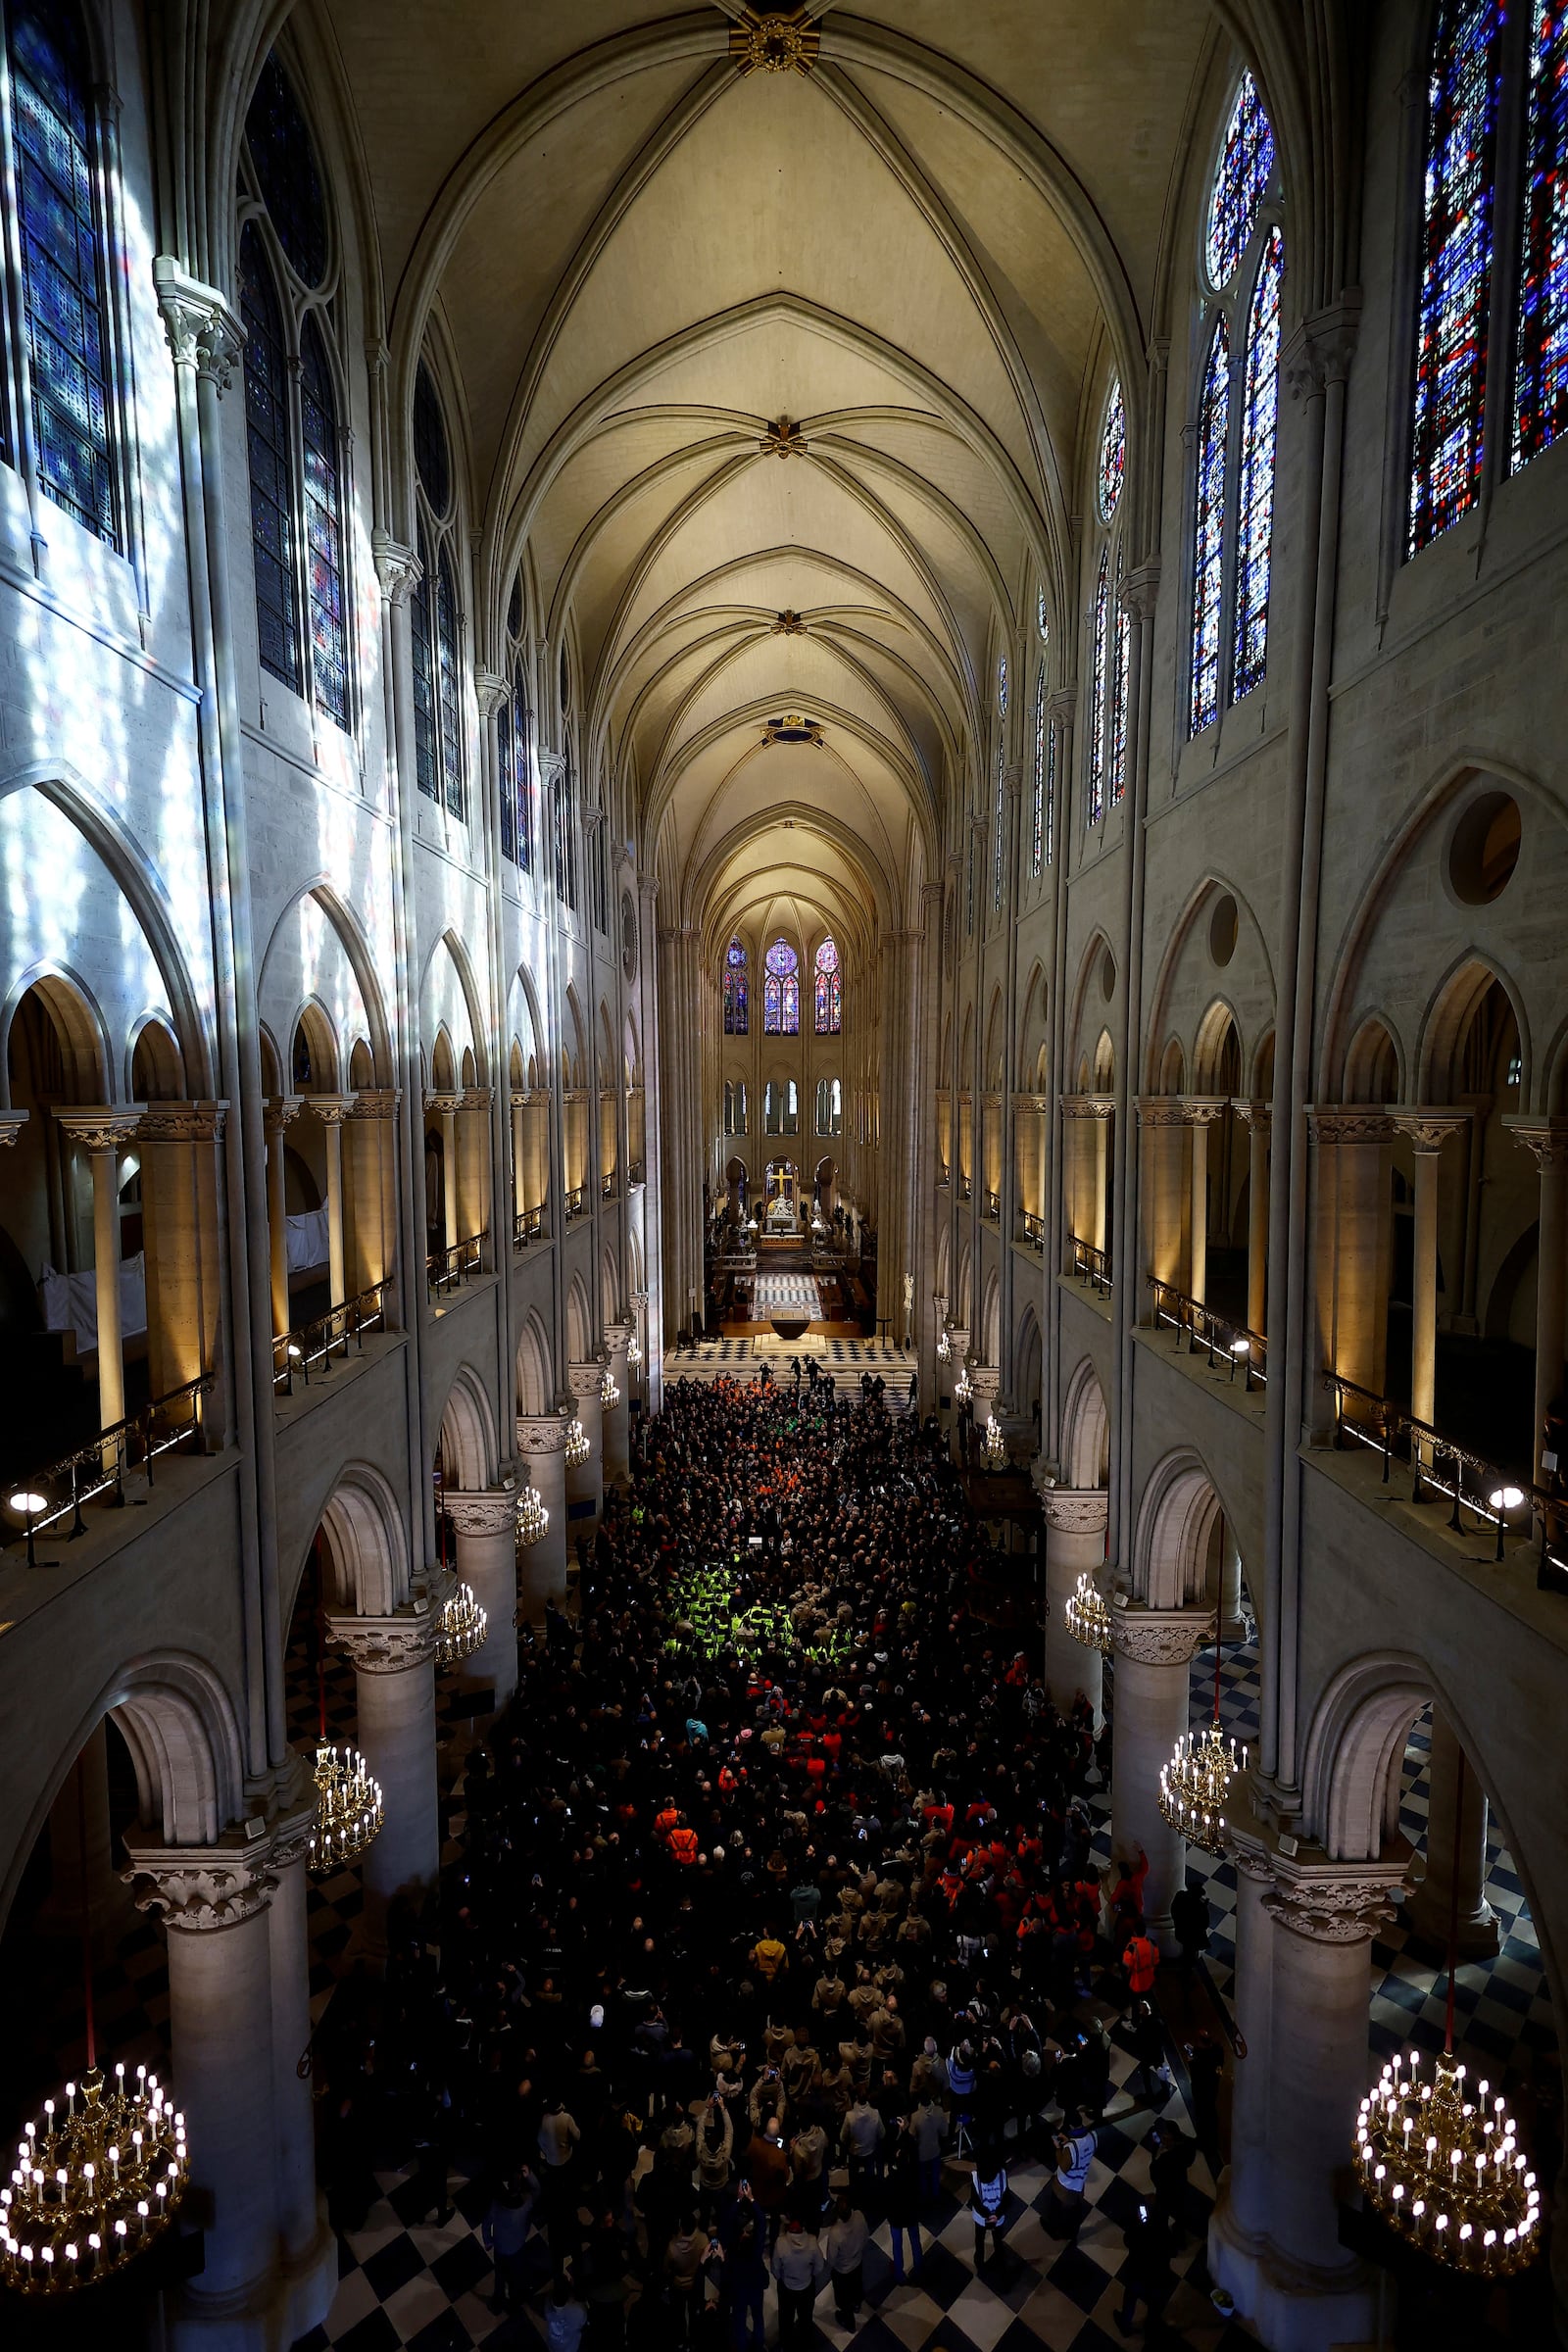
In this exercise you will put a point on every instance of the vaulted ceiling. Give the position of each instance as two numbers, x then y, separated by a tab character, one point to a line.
925	254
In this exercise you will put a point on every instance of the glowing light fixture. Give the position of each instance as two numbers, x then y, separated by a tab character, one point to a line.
577	1448
464	1626
533	1520
1087	1617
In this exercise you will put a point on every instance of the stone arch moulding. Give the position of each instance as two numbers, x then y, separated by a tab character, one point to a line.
143	890
1348	960
1446	1015
1085	1429
367	1546
350	939
579	1323
1175	1515
179	1723
75	1009
468	1432
1163	1014
536	1382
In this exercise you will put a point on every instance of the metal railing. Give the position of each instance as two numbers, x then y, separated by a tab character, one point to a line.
992	1207
1088	1264
965	1187
527	1226
297	1355
1501	1501
1034	1231
99	1467
1226	1341
574	1203
944	1174
607	1186
444	1269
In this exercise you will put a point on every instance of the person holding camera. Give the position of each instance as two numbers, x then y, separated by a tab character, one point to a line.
988	2198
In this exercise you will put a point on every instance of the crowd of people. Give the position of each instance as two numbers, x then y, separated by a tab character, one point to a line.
779	1869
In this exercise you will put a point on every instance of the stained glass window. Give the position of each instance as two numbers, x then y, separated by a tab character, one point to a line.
1540	356
736	1011
1112	453
323	528
1037	834
522	754
266	441
1002	685
284	163
1254	522
781	991
1041	617
1208	533
421	607
996	845
507	779
1240	181
829	990
1097	691
450	676
1450	367
430	454
62	276
1051	792
1119	688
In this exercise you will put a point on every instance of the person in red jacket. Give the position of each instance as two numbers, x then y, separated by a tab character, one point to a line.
1141	1960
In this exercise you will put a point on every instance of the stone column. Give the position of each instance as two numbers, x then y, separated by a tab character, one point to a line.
1200	1112
1256	1116
1244	2187
585	1483
1456	1849
180	1184
237	1987
369	1139
485	1526
1075	1545
279	1114
1548	1139
519	1203
1428	1131
542	1447
473	1206
1154	1650
332	1110
447	1107
1274	2240
1100	1233
393	1659
1354	1242
103	1133
1160	1123
617	1422
958	1344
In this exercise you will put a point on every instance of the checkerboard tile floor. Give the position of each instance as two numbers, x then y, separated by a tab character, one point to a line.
430	2288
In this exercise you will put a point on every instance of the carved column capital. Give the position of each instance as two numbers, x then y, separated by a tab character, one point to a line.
1546	1139
619	1338
444	1104
1347	1123
388	1645
1329	1902
1160	1110
585	1381
485	1511
201	1887
11	1122
1076	1511
100	1126
397	567
1428	1128
491	690
203	331
279	1112
1158	1636
1202	1110
182	1123
377	1103
542	1433
1256	1114
331	1110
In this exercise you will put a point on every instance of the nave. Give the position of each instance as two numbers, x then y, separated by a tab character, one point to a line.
795	1807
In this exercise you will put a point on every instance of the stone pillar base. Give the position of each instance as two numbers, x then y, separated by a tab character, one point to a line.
1478	1936
1292	2308
272	2316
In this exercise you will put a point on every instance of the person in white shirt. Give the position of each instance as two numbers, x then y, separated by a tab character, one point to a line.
988	2196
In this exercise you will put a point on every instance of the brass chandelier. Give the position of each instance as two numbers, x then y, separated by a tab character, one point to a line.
609	1394
1446	2171
533	1520
463	1627
577	1447
1194	1787
94	2183
349	1808
1087	1619
993	1446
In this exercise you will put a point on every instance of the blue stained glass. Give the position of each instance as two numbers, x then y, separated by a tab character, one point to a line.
284	163
422	606
447	666
1450	367
736	1009
507	780
1112	453
781	991
430	454
1097	691
1037	825
1240	183
329	653
1208	533
829	990
62	288
1541	357
1119	688
267	442
1254	522
523	755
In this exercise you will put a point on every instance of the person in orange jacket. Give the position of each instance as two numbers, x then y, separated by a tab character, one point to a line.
1141	1959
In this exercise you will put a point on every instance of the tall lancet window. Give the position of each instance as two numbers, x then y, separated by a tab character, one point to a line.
781	991
736	984
829	990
